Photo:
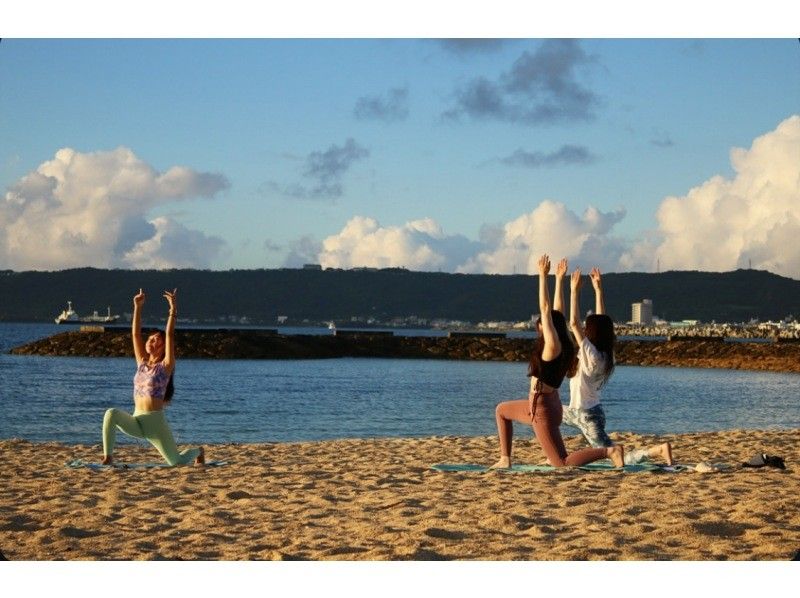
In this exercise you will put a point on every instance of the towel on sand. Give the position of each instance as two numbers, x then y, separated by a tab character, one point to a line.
78	463
602	466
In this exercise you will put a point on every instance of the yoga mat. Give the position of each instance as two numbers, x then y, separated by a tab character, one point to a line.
522	468
78	463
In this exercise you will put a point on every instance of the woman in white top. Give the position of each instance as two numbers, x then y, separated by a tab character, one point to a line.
595	364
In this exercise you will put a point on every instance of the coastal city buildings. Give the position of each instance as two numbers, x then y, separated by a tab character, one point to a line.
642	313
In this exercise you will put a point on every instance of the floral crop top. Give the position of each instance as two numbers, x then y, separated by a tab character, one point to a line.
150	382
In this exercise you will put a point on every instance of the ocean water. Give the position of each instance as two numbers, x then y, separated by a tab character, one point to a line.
64	398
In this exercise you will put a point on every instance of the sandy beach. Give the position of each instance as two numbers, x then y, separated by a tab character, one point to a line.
379	500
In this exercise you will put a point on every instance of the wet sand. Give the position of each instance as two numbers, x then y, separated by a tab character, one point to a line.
379	500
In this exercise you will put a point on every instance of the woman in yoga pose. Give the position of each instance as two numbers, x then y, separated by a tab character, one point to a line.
595	356
553	354
152	391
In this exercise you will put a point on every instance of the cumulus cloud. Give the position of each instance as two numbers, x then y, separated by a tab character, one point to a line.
173	246
504	249
566	155
724	223
323	172
392	108
417	245
90	209
554	229
540	88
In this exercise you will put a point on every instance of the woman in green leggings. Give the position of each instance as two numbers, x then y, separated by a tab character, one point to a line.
152	391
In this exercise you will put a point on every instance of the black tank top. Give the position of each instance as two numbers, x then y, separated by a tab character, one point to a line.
550	372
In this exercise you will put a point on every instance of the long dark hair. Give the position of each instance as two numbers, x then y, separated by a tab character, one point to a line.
600	332
567	347
170	384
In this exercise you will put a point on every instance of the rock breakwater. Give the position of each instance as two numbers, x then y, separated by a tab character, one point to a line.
267	344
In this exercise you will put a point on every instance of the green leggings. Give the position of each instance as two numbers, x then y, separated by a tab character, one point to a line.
151	425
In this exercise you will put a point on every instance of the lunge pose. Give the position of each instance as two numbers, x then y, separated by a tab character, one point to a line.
595	356
152	391
552	356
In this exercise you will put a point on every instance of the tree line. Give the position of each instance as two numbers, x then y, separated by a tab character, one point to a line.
262	296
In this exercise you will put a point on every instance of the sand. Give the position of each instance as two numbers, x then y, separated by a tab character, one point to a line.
379	500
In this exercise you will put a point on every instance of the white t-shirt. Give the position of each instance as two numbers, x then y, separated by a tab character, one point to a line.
583	386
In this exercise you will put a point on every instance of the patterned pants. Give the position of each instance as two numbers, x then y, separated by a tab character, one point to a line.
592	424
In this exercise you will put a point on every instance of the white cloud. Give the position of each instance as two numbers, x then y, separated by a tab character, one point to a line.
173	246
553	229
720	225
90	209
724	224
417	245
514	247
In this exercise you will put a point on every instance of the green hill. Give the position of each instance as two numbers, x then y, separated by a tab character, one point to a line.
263	295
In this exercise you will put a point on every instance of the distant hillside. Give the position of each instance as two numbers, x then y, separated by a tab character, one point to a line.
262	295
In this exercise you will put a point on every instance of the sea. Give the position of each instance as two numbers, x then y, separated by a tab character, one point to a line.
63	399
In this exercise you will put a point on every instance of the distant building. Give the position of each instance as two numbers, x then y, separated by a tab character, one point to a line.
642	313
312	267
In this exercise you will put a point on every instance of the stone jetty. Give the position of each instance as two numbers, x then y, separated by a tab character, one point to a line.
97	341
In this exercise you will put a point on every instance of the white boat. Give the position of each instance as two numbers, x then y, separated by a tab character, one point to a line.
68	315
331	326
95	317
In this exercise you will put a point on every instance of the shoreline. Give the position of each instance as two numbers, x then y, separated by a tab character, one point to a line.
267	344
378	499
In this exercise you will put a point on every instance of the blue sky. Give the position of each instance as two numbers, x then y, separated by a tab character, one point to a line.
424	153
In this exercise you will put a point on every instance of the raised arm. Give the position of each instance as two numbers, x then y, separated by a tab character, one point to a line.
597	283
561	272
552	344
575	306
169	340
136	327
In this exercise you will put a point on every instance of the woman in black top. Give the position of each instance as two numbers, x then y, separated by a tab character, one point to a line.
552	357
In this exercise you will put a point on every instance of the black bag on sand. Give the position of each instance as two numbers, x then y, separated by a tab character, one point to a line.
764	460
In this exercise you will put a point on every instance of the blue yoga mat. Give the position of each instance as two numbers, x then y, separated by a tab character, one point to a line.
79	463
521	468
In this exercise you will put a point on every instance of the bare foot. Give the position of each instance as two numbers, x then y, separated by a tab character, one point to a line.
503	463
201	458
666	452
617	455
107	460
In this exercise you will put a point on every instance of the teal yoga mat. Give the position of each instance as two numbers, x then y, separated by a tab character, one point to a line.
521	468
79	463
